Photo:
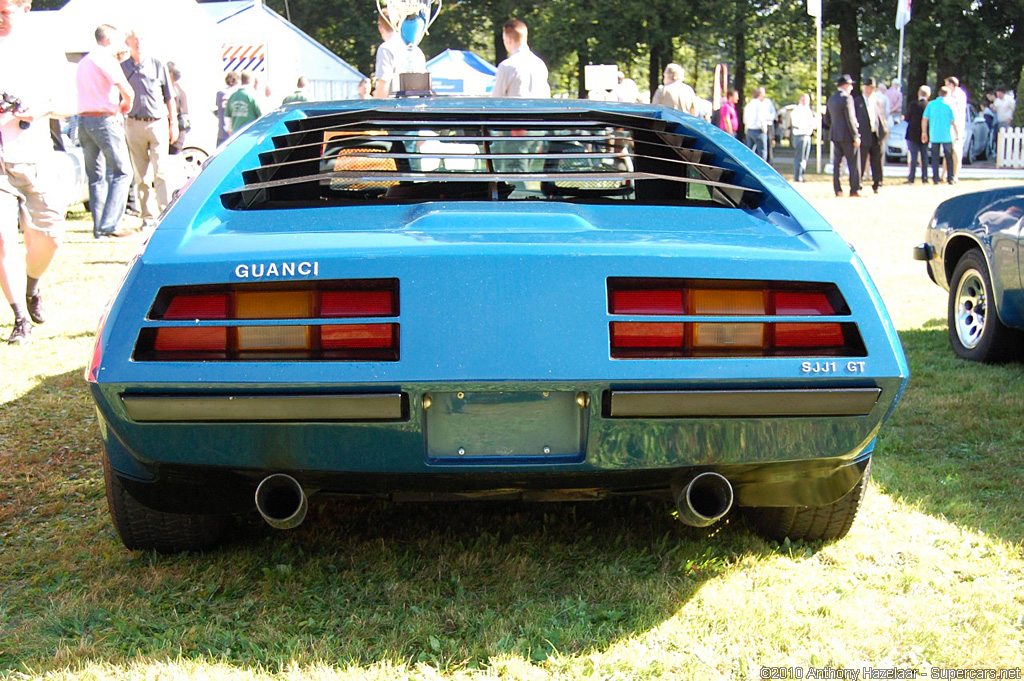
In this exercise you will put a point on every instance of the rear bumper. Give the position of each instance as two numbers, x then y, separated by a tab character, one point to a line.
202	490
206	452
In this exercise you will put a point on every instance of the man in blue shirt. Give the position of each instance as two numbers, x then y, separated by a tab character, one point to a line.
939	127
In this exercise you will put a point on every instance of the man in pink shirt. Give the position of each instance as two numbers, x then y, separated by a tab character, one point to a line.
103	96
728	116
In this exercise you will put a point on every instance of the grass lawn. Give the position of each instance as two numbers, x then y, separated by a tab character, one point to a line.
931	575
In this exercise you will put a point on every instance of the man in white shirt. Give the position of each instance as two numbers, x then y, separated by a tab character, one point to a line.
895	96
522	74
674	93
626	90
957	100
31	74
872	152
757	116
394	57
1004	106
803	123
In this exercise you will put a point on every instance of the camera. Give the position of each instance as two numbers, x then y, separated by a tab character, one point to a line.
11	104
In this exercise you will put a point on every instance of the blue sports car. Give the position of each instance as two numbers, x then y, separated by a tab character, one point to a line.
972	249
478	299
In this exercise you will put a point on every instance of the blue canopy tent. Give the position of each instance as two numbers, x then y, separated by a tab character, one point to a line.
455	72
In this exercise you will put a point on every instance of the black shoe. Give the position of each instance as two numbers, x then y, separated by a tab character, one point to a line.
875	189
909	181
21	333
35	307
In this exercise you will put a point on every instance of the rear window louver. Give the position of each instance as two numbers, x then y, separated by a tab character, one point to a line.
400	155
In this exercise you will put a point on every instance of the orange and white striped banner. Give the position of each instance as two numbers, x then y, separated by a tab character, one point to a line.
250	57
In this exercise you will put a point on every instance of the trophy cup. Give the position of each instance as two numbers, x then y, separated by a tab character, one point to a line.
411	19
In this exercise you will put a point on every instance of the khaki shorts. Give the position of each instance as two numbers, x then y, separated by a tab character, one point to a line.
28	193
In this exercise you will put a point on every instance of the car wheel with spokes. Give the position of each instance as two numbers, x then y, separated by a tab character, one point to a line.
193	157
975	331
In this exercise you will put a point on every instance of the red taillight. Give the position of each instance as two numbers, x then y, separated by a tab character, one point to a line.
359	336
658	335
809	335
191	339
358	304
647	301
800	303
212	306
305	332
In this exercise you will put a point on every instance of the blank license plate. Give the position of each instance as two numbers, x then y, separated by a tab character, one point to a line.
513	424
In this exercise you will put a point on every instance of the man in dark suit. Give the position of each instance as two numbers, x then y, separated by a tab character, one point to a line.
841	119
873	120
915	147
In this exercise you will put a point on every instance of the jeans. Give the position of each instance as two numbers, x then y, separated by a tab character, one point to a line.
758	141
940	149
917	150
801	152
108	168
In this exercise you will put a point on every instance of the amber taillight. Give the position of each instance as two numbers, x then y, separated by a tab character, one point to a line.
331	320
700	318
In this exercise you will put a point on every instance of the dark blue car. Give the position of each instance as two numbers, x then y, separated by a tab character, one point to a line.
480	299
972	250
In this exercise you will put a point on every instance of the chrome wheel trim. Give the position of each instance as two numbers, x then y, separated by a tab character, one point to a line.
971	308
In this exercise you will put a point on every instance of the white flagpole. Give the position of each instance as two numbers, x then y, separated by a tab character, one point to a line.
817	94
899	68
814	9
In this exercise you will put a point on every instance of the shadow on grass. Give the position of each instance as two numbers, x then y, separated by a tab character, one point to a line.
452	585
955	446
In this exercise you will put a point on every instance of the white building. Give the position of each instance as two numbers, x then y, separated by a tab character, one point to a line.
256	38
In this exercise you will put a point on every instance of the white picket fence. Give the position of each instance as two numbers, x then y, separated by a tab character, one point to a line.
1010	148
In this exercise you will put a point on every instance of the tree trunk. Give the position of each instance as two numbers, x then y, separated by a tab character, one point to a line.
581	61
661	55
499	44
849	38
1016	57
740	60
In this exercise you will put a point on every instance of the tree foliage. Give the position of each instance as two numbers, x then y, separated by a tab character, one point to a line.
764	42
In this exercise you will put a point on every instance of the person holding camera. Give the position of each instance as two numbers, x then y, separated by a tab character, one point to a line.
31	73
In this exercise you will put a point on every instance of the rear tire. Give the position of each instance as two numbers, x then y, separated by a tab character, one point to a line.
142	528
810	523
975	331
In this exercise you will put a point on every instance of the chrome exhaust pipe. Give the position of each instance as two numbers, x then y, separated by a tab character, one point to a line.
281	501
704	499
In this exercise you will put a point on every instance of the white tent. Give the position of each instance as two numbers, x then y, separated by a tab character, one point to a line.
254	37
455	72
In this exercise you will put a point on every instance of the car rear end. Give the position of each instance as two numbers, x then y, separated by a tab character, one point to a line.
569	317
